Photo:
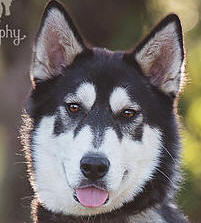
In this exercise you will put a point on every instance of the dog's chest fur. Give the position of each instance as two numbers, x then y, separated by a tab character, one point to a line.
166	214
150	216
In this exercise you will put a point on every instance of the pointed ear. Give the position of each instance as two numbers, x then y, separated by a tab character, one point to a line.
161	55
57	43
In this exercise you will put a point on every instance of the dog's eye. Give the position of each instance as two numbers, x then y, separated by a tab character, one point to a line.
128	113
74	107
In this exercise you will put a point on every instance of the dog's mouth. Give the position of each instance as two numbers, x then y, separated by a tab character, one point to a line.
91	196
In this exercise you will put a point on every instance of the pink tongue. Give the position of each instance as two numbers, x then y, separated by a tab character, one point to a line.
91	197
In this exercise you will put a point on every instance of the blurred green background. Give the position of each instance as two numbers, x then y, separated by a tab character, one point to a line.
118	24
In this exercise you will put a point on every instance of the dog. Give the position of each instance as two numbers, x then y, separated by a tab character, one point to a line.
100	130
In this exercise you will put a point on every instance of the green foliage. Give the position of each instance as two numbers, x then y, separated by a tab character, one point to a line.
190	196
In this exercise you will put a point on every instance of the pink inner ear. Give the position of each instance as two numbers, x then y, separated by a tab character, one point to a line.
55	53
162	63
56	57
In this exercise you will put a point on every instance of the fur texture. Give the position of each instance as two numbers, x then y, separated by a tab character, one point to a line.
123	108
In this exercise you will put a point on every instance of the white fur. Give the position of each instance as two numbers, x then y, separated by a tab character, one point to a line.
85	94
55	23
51	154
119	100
57	165
138	158
148	216
166	40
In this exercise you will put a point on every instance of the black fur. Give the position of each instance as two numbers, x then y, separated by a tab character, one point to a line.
105	70
98	69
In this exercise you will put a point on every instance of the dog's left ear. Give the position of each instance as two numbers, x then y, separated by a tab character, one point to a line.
57	44
161	55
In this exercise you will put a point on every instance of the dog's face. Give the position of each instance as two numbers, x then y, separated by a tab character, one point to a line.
103	120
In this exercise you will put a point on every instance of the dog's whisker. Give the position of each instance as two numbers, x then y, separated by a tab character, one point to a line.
163	147
27	197
165	175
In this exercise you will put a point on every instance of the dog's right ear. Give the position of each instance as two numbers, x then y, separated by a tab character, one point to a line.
161	56
57	43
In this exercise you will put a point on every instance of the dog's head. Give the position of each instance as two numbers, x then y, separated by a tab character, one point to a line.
103	122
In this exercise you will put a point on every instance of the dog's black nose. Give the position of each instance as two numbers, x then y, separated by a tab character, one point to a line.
94	166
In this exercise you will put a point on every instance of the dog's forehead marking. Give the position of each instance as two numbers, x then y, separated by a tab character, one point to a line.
85	94
120	99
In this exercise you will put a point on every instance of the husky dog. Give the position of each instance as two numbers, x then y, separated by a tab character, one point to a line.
100	133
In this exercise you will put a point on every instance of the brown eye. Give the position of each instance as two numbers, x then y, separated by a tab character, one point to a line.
128	113
74	107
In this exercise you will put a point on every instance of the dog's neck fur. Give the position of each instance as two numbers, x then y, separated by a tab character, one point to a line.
41	215
45	216
163	213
